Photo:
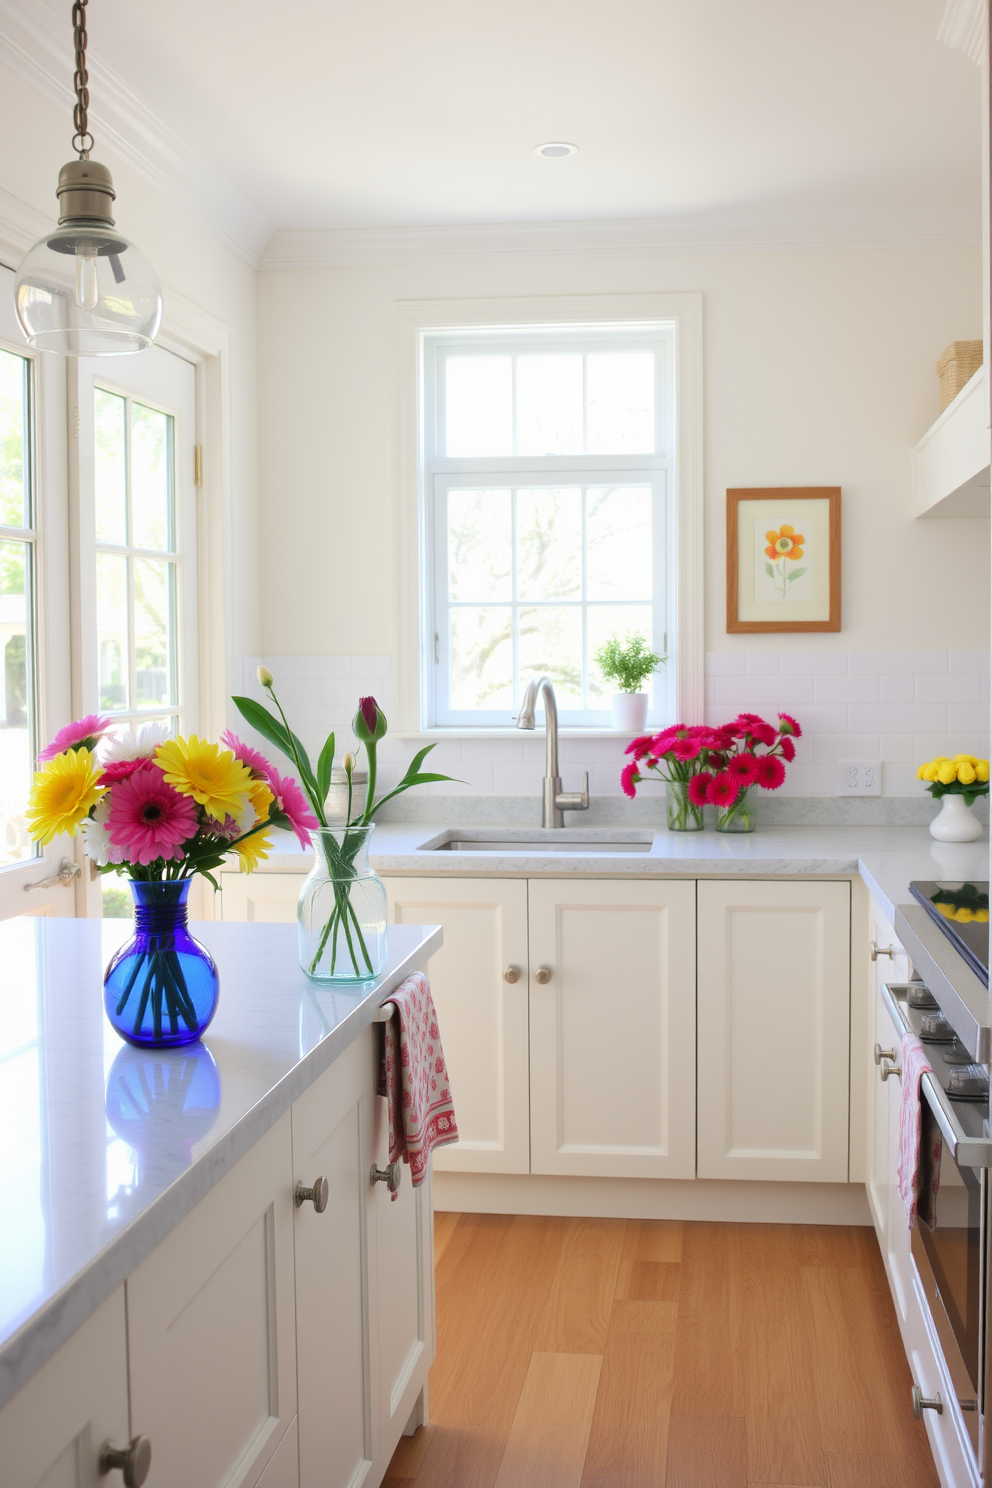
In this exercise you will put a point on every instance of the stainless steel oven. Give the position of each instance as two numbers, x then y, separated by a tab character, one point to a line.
950	1245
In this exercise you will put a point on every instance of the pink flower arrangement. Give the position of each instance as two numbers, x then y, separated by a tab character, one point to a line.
85	733
715	766
148	819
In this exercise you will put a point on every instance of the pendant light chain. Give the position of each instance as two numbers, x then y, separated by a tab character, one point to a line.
82	140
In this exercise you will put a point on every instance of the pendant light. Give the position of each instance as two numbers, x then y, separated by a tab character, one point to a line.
84	290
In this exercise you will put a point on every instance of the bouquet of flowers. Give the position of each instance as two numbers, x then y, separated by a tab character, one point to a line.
159	810
964	775
342	934
715	766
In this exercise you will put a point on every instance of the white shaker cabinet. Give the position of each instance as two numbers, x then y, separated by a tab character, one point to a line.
212	1331
260	898
883	1111
612	1022
52	1431
479	984
774	1030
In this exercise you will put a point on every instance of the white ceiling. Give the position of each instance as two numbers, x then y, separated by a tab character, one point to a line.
784	117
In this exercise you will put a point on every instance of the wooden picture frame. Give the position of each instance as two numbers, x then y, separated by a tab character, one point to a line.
761	589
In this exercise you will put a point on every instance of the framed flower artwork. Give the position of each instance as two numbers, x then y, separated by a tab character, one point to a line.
783	558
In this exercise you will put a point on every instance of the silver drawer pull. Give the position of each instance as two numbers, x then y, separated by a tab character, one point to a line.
923	1402
389	1176
134	1460
511	974
543	975
61	879
881	1054
890	1069
316	1193
877	950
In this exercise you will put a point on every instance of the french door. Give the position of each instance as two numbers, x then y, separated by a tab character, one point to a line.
35	689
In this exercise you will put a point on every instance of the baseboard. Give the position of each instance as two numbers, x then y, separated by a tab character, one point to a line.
640	1198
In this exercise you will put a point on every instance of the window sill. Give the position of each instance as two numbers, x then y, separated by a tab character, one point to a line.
436	734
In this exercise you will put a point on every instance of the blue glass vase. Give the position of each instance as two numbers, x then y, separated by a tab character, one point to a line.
161	988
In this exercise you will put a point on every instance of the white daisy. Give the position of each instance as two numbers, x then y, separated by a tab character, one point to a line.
96	836
129	745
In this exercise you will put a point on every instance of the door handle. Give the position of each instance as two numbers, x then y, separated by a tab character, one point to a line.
61	878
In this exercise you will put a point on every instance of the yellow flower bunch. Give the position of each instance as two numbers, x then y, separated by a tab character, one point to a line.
963	769
63	793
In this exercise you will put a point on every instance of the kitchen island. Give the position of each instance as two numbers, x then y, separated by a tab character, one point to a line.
158	1187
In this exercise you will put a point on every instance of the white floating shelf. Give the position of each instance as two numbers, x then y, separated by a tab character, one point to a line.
949	468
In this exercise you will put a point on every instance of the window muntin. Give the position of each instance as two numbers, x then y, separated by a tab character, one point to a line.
18	619
546	467
136	560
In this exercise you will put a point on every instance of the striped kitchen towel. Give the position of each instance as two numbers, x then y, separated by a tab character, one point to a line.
919	1170
413	1078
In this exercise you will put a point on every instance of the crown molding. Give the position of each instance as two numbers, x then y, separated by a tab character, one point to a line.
962	27
354	247
36	46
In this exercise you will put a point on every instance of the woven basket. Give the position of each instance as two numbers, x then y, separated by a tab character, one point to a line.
957	366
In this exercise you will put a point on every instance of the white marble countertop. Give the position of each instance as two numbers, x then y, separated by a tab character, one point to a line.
887	858
90	1183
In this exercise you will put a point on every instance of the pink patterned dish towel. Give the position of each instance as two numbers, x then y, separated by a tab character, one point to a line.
414	1079
919	1171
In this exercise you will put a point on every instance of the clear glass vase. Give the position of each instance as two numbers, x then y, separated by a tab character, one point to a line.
742	816
342	909
683	816
161	988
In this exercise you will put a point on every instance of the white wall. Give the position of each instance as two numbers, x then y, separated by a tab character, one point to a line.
819	370
190	262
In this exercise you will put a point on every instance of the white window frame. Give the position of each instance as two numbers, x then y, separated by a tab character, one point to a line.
423	325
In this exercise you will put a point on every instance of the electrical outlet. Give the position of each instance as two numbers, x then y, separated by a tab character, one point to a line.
859	778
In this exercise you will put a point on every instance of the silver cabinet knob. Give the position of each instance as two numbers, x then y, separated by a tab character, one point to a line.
881	1054
317	1194
543	975
134	1460
877	950
890	1069
511	974
389	1176
922	1402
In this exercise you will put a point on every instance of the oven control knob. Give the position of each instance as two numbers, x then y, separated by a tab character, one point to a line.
923	1402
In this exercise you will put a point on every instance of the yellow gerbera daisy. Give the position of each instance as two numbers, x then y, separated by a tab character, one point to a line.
260	798
253	851
63	794
212	776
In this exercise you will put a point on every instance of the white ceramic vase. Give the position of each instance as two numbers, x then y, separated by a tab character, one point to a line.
630	712
955	821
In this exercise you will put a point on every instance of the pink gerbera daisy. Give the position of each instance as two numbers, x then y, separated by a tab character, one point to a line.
788	725
640	746
749	718
83	734
120	770
743	768
723	789
699	788
290	800
686	749
763	733
787	747
629	778
771	772
255	761
148	819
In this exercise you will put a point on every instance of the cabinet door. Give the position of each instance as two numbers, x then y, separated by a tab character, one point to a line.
774	1030
211	1328
882	1159
482	1016
613	1032
262	898
332	1138
403	1307
52	1431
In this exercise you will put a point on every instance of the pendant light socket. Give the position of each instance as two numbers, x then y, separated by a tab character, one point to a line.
85	192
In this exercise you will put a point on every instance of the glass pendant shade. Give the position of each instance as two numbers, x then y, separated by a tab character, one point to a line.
83	289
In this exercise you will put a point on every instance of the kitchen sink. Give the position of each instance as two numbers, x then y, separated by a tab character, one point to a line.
523	842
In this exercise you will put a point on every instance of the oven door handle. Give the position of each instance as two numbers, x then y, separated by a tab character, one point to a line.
967	1152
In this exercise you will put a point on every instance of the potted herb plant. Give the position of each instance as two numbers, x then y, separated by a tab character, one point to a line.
629	662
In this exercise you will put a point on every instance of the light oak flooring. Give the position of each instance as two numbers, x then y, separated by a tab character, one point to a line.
597	1353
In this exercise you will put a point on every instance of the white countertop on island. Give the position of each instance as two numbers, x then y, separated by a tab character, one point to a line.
106	1147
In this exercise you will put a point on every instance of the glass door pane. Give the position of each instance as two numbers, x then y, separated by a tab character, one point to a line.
18	745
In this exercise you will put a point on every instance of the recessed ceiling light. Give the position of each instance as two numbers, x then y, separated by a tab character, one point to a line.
556	149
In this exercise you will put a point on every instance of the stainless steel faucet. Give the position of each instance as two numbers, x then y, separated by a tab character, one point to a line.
556	801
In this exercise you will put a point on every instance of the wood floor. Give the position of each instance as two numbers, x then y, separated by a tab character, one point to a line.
600	1353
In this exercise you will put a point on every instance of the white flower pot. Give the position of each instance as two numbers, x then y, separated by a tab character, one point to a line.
630	712
955	822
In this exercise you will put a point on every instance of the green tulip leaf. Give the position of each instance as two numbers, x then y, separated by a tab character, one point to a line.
324	767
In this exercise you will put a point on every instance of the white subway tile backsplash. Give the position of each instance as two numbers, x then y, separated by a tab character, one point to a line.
846	689
902	707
